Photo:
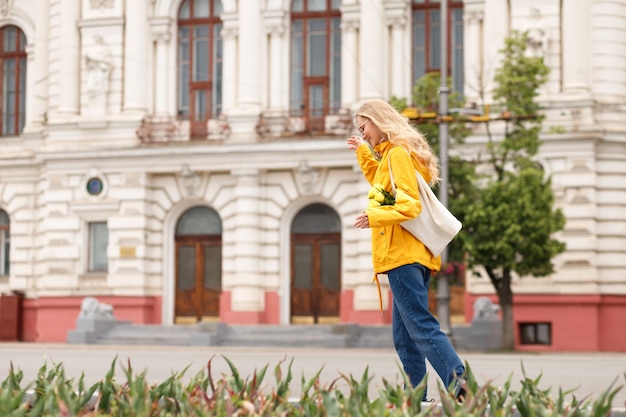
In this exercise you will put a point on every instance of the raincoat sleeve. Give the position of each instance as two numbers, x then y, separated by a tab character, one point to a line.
367	161
407	205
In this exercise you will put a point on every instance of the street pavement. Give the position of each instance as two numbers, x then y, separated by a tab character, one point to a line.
587	373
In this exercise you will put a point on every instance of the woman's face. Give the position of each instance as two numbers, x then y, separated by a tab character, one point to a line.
369	131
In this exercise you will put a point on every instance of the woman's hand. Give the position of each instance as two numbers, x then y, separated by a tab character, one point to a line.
355	141
362	221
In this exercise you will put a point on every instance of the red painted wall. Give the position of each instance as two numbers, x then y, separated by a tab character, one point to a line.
612	320
580	323
49	319
348	314
271	315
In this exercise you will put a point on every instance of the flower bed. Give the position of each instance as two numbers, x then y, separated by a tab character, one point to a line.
52	394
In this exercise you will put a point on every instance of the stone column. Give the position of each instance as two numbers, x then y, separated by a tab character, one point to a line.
245	115
576	47
250	61
230	30
275	30
33	106
247	284
161	38
36	105
495	30
372	41
607	60
65	69
396	13
349	51
136	45
474	76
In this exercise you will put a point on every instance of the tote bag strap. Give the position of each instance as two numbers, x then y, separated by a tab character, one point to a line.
393	184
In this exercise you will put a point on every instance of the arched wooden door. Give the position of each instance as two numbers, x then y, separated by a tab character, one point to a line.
315	265
198	266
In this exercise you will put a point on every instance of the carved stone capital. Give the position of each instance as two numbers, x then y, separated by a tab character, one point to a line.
350	25
473	17
229	32
160	30
274	22
396	12
397	21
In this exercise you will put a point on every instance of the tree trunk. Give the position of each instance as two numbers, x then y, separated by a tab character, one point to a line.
505	297
508	338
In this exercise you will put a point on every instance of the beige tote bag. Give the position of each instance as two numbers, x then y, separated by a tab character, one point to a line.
435	226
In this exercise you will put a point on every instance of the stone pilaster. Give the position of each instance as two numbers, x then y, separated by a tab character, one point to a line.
246	282
372	40
349	50
396	13
277	59
136	45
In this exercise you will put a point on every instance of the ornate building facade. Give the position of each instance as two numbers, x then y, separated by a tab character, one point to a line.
185	160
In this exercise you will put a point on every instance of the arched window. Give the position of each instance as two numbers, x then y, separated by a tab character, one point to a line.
315	61
427	40
13	86
316	218
199	63
199	221
5	241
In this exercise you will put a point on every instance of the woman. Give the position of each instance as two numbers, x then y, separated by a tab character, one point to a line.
396	252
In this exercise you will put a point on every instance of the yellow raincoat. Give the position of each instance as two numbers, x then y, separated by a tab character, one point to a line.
392	246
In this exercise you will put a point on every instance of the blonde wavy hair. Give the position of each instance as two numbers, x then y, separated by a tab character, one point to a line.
398	130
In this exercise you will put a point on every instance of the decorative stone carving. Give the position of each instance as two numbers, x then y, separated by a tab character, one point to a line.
218	128
102	4
272	124
484	309
537	36
339	124
154	129
92	308
307	177
296	125
189	181
279	123
99	66
5	7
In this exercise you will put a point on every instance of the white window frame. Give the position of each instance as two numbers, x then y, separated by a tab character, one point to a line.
91	268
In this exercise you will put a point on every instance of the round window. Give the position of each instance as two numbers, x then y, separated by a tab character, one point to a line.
94	186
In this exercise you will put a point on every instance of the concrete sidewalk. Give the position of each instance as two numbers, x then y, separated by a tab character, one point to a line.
588	373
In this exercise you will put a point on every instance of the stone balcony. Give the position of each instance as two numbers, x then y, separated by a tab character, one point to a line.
270	125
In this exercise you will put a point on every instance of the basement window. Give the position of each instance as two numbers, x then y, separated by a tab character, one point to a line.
535	333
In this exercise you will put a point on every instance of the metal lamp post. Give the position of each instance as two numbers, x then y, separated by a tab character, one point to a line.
443	288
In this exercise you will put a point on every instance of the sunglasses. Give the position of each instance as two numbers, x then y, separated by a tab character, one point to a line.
362	125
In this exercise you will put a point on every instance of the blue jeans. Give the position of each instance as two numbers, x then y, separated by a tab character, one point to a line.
416	332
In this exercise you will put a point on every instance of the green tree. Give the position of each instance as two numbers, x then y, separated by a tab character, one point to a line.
511	219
